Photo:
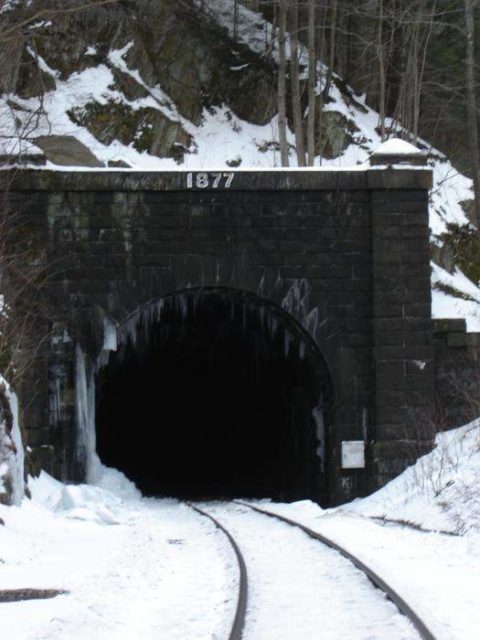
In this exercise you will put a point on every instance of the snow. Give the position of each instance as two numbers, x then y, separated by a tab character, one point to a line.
461	299
440	491
421	532
143	569
437	574
149	568
397	147
300	589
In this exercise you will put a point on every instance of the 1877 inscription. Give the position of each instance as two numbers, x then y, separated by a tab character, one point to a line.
209	180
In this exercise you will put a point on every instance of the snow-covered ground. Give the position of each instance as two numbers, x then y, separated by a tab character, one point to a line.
146	568
437	574
133	568
302	589
421	532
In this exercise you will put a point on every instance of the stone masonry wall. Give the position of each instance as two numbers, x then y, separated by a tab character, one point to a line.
345	253
457	373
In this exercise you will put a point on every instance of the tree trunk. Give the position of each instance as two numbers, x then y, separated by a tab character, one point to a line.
295	85
282	84
235	20
312	81
381	72
321	55
331	59
472	104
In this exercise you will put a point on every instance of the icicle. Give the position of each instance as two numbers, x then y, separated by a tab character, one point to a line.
317	414
312	322
301	350
277	287
287	302
85	413
274	326
261	285
12	454
287	338
110	341
261	313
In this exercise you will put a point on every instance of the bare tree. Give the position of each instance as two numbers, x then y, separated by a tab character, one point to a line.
382	74
235	20
333	44
472	110
295	85
312	82
282	82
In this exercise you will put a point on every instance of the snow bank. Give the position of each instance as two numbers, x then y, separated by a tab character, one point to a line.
100	503
12	484
440	491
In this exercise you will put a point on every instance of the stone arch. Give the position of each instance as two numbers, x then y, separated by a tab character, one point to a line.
250	341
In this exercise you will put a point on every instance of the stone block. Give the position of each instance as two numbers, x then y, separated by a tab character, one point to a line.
455	339
448	325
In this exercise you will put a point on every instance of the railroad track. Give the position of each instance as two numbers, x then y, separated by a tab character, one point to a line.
238	625
379	582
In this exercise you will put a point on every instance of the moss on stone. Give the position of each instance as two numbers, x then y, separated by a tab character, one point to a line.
461	248
146	128
336	135
32	81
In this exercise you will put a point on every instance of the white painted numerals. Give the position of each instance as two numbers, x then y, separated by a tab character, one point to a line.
212	180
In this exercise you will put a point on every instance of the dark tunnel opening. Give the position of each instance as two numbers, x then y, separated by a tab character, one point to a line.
216	394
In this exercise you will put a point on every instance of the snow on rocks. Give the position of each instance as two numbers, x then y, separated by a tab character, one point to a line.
455	296
222	139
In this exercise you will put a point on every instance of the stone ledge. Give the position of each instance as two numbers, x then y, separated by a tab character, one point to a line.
259	180
449	325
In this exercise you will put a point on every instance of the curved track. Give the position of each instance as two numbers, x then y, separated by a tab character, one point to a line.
395	597
238	626
241	608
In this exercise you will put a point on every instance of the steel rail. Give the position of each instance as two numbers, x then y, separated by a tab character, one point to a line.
379	582
238	625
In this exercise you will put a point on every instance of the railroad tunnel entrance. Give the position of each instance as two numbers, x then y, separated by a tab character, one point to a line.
216	393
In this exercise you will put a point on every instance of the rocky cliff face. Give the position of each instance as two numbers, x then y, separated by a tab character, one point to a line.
163	84
166	63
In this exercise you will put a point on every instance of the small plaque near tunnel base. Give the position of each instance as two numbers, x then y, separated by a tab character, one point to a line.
353	454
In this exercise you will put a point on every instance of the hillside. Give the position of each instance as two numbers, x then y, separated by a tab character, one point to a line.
166	85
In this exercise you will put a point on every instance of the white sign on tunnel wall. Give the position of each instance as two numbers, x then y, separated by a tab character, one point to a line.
353	454
209	180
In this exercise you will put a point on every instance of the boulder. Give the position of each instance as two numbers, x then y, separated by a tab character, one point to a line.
67	151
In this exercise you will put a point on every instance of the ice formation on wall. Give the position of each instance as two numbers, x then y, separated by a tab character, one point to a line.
12	484
85	415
